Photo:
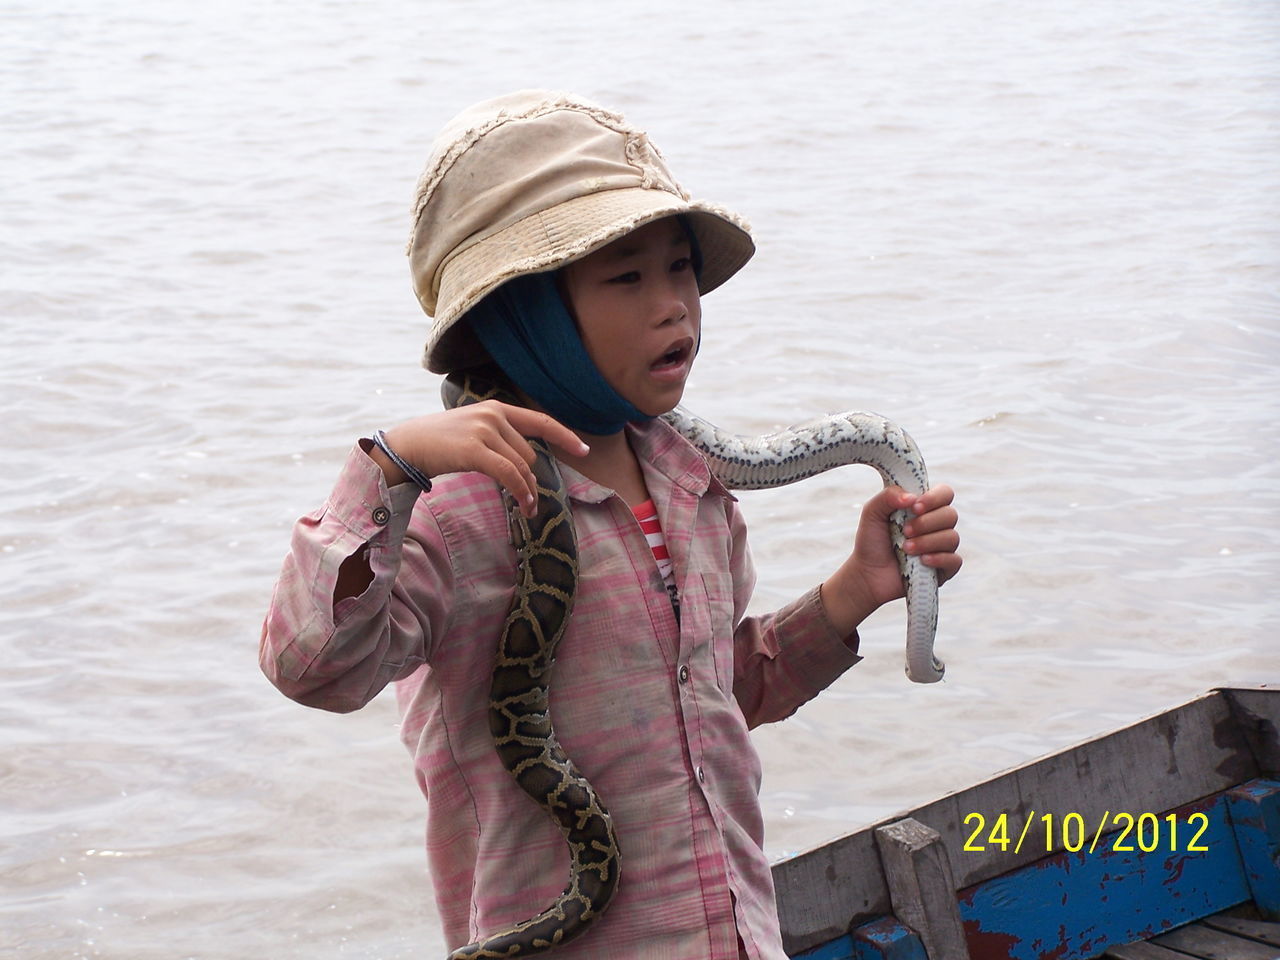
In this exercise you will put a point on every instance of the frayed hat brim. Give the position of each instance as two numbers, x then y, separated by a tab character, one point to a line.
551	238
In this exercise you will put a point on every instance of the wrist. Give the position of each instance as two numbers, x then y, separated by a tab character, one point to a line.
393	474
847	600
408	469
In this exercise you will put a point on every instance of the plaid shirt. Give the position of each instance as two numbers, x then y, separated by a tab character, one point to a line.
654	711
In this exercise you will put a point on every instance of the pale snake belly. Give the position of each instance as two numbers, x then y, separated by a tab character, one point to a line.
546	579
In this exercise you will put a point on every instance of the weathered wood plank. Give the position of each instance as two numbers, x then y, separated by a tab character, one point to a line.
1201	941
1190	751
1141	950
1256	709
886	939
921	887
820	893
839	949
1255	814
1259	930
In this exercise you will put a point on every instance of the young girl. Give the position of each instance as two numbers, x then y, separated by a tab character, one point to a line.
551	242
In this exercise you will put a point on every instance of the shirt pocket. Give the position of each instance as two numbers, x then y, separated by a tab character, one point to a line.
718	586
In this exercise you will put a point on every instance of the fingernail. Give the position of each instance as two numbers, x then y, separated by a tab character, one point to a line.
583	448
909	546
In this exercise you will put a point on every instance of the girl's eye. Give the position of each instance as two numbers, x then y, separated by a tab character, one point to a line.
631	276
682	264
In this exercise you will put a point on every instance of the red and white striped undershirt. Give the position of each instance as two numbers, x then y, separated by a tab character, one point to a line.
646	515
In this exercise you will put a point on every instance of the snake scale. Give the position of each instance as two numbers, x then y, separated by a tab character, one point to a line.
546	584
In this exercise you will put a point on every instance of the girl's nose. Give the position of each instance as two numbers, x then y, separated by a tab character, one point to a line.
673	302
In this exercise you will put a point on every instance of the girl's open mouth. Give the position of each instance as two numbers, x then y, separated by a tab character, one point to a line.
675	361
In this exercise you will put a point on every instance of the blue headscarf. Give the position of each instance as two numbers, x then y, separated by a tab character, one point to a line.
526	328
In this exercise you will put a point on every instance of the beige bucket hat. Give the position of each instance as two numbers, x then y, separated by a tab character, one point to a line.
531	181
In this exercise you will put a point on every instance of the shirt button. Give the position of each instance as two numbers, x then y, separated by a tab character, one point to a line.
684	673
702	777
381	515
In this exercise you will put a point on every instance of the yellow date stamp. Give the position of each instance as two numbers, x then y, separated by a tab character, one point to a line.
1144	832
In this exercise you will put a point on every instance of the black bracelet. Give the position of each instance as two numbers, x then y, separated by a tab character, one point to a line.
410	471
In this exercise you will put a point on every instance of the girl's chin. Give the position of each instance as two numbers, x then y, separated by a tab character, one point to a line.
654	396
656	406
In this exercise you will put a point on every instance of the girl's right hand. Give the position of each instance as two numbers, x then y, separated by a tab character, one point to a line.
487	437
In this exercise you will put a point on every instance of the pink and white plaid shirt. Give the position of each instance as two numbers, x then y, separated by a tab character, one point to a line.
655	712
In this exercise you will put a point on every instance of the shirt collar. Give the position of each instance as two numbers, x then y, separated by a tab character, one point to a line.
662	451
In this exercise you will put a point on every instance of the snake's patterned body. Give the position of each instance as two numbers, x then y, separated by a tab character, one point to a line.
806	450
520	713
547	576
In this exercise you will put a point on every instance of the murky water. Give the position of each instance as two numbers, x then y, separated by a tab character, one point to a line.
1046	240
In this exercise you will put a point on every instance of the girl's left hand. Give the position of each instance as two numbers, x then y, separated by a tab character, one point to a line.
870	577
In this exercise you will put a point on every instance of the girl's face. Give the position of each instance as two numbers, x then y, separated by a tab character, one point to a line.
637	308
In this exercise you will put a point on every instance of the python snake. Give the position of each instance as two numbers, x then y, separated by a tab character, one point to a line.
546	583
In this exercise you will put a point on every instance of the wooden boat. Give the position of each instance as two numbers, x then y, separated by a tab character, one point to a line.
1155	842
